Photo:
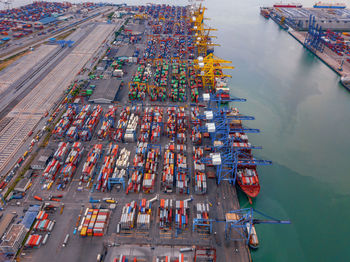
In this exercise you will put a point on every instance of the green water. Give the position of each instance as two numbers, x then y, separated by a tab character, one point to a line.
303	114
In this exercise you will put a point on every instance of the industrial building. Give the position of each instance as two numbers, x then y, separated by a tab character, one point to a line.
5	222
13	239
298	18
105	91
22	185
47	20
135	29
41	162
126	53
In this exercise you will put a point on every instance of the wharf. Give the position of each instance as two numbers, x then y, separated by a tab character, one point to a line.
79	193
328	57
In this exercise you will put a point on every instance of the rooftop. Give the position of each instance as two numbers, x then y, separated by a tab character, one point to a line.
47	20
22	184
105	90
125	51
5	222
12	235
136	29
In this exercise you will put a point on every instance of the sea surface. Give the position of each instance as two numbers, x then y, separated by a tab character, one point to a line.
304	116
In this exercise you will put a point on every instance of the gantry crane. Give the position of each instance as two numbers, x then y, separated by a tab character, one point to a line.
210	68
203	40
239	225
198	15
141	16
202	37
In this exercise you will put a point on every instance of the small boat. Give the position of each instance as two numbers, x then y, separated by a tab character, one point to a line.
253	239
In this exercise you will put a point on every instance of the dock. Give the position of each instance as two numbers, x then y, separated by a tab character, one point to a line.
135	146
324	31
332	60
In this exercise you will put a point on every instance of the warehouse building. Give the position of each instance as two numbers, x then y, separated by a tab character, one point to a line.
126	52
13	239
6	221
135	29
106	91
40	162
47	20
22	185
298	18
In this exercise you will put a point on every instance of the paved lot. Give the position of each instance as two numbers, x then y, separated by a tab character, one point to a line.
25	64
43	96
145	245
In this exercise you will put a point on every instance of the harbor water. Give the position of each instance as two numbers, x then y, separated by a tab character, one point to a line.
303	114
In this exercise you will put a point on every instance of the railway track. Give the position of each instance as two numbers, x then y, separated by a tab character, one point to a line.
31	109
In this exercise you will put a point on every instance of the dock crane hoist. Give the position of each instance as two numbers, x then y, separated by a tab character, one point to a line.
210	68
202	38
239	225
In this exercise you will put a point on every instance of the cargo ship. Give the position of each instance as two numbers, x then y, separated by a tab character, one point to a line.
345	81
329	5
265	12
247	176
248	181
280	5
278	21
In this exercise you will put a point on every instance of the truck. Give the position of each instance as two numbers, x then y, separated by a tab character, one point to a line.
65	242
94	200
38	198
17	196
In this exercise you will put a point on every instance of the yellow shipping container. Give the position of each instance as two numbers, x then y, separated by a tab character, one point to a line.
83	231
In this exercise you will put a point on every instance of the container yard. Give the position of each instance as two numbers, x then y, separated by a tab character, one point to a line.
154	164
323	29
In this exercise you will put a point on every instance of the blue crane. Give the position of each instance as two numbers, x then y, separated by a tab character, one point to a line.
220	97
114	181
213	113
239	224
231	159
223	128
313	40
207	224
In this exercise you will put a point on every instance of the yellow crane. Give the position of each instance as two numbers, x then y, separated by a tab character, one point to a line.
203	39
210	68
198	16
141	16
